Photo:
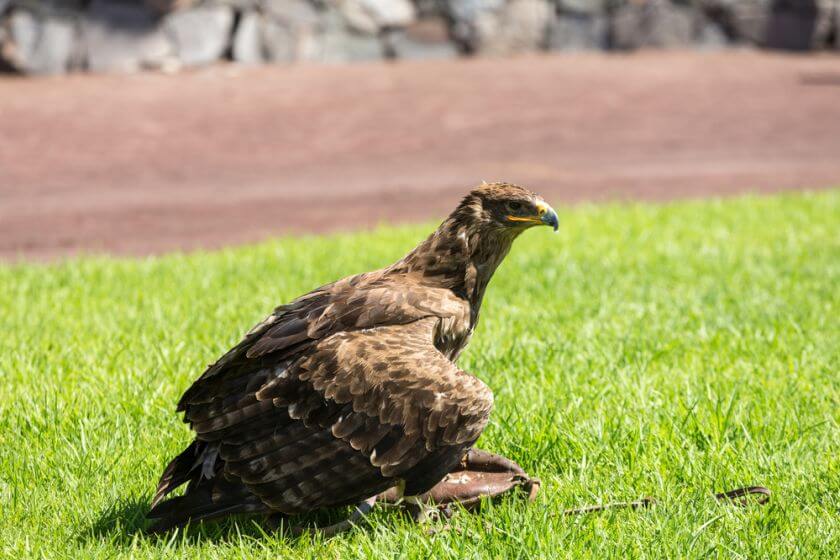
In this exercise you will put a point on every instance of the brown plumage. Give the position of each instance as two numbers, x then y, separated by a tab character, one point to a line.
352	388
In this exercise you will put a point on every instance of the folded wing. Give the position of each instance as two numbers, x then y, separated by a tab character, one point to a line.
331	420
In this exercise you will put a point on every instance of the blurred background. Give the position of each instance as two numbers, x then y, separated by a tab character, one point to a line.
144	126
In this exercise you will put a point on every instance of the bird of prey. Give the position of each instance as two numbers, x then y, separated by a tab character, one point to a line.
351	389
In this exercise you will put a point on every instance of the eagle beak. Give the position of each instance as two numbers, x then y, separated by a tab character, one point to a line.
548	216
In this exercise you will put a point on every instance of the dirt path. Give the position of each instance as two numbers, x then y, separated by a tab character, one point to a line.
151	163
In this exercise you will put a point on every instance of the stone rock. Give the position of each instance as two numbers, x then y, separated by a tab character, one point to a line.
201	35
827	31
496	27
793	25
371	16
351	47
472	21
582	7
167	6
279	41
338	43
568	32
784	24
294	12
523	27
711	36
750	19
790	31
124	38
425	39
427	8
389	13
290	30
247	41
242	5
744	21
43	8
39	44
469	10
651	23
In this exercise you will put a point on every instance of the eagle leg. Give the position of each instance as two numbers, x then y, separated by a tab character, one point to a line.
423	511
361	510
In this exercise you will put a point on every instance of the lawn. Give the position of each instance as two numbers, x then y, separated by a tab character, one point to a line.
670	350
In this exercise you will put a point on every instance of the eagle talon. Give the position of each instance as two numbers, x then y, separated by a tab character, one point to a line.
423	512
356	518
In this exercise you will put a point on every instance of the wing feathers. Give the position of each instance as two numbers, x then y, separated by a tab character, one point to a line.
347	425
228	419
335	395
365	440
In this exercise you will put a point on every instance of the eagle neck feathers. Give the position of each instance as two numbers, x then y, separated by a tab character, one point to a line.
461	255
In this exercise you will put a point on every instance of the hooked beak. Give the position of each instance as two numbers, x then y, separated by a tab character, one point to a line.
545	216
548	216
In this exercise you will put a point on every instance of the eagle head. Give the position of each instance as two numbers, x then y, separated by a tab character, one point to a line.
465	250
508	207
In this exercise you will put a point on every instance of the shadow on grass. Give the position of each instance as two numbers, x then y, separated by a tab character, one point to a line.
126	518
124	522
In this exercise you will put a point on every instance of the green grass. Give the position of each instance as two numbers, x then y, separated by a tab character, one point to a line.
672	351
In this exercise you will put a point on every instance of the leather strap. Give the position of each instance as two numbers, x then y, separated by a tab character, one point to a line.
739	497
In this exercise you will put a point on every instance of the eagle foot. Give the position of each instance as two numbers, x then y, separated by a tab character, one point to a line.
479	475
425	512
356	518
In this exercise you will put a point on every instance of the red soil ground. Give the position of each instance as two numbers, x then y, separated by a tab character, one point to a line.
150	163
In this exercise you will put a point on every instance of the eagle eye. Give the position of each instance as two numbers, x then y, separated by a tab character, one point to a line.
514	206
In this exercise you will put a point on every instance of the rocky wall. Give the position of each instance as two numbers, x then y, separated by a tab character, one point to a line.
58	36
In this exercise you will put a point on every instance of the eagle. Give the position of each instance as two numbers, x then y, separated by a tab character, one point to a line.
352	389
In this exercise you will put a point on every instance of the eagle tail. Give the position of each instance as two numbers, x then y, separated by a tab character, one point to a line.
209	499
185	467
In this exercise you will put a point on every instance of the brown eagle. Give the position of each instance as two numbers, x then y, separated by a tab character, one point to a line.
351	389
